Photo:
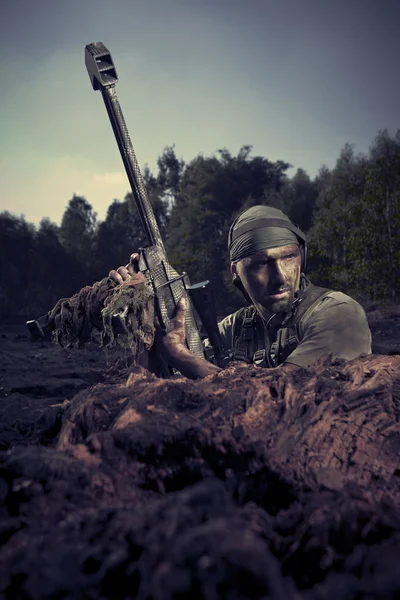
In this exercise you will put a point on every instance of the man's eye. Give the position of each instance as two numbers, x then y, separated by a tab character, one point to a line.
258	264
261	263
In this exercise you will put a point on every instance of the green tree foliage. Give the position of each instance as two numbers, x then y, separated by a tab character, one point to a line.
78	226
17	263
117	236
35	269
355	237
57	273
121	233
296	197
375	243
339	193
168	179
300	196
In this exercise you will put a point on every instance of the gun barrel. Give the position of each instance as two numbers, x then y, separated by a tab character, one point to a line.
103	77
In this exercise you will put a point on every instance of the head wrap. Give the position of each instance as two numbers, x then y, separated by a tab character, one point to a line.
259	228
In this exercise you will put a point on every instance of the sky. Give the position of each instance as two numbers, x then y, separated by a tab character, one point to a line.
296	79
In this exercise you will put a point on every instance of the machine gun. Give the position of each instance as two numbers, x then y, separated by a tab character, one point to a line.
168	286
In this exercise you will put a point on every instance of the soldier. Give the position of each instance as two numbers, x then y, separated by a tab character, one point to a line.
289	320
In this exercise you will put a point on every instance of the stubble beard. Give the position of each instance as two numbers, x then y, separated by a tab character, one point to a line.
282	305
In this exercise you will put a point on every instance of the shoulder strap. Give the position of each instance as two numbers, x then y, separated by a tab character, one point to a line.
243	335
289	336
308	300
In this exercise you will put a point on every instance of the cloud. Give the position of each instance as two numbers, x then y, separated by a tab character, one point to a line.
110	179
52	183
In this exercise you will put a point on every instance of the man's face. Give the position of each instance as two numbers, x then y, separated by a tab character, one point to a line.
271	277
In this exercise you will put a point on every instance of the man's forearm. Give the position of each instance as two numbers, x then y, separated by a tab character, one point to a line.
192	366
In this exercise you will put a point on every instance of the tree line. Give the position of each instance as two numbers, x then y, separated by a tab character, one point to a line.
351	214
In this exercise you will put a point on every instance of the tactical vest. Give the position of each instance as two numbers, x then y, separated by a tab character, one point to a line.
254	342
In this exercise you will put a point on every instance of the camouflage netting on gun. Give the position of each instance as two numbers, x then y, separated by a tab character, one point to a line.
93	309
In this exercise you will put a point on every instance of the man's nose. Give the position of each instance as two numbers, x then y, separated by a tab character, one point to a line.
276	274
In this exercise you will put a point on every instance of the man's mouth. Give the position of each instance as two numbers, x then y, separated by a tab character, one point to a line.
278	294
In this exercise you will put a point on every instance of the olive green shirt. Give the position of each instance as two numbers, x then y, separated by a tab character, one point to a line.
336	325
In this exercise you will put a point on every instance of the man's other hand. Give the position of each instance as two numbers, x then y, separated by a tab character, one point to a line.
128	271
174	350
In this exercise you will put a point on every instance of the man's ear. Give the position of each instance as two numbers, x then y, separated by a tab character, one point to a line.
238	283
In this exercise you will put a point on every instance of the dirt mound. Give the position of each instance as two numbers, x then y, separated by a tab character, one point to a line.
247	484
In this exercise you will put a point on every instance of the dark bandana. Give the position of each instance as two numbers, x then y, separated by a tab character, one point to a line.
256	236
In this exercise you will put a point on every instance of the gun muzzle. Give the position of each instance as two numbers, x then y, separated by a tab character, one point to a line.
100	66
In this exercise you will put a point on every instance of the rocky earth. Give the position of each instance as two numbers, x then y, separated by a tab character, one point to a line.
248	484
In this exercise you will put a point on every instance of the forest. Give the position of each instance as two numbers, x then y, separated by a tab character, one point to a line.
351	214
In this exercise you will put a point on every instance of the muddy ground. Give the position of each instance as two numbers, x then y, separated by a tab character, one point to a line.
153	492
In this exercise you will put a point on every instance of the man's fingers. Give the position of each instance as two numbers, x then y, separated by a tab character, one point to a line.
115	276
132	270
133	265
181	306
178	320
180	313
134	258
123	271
